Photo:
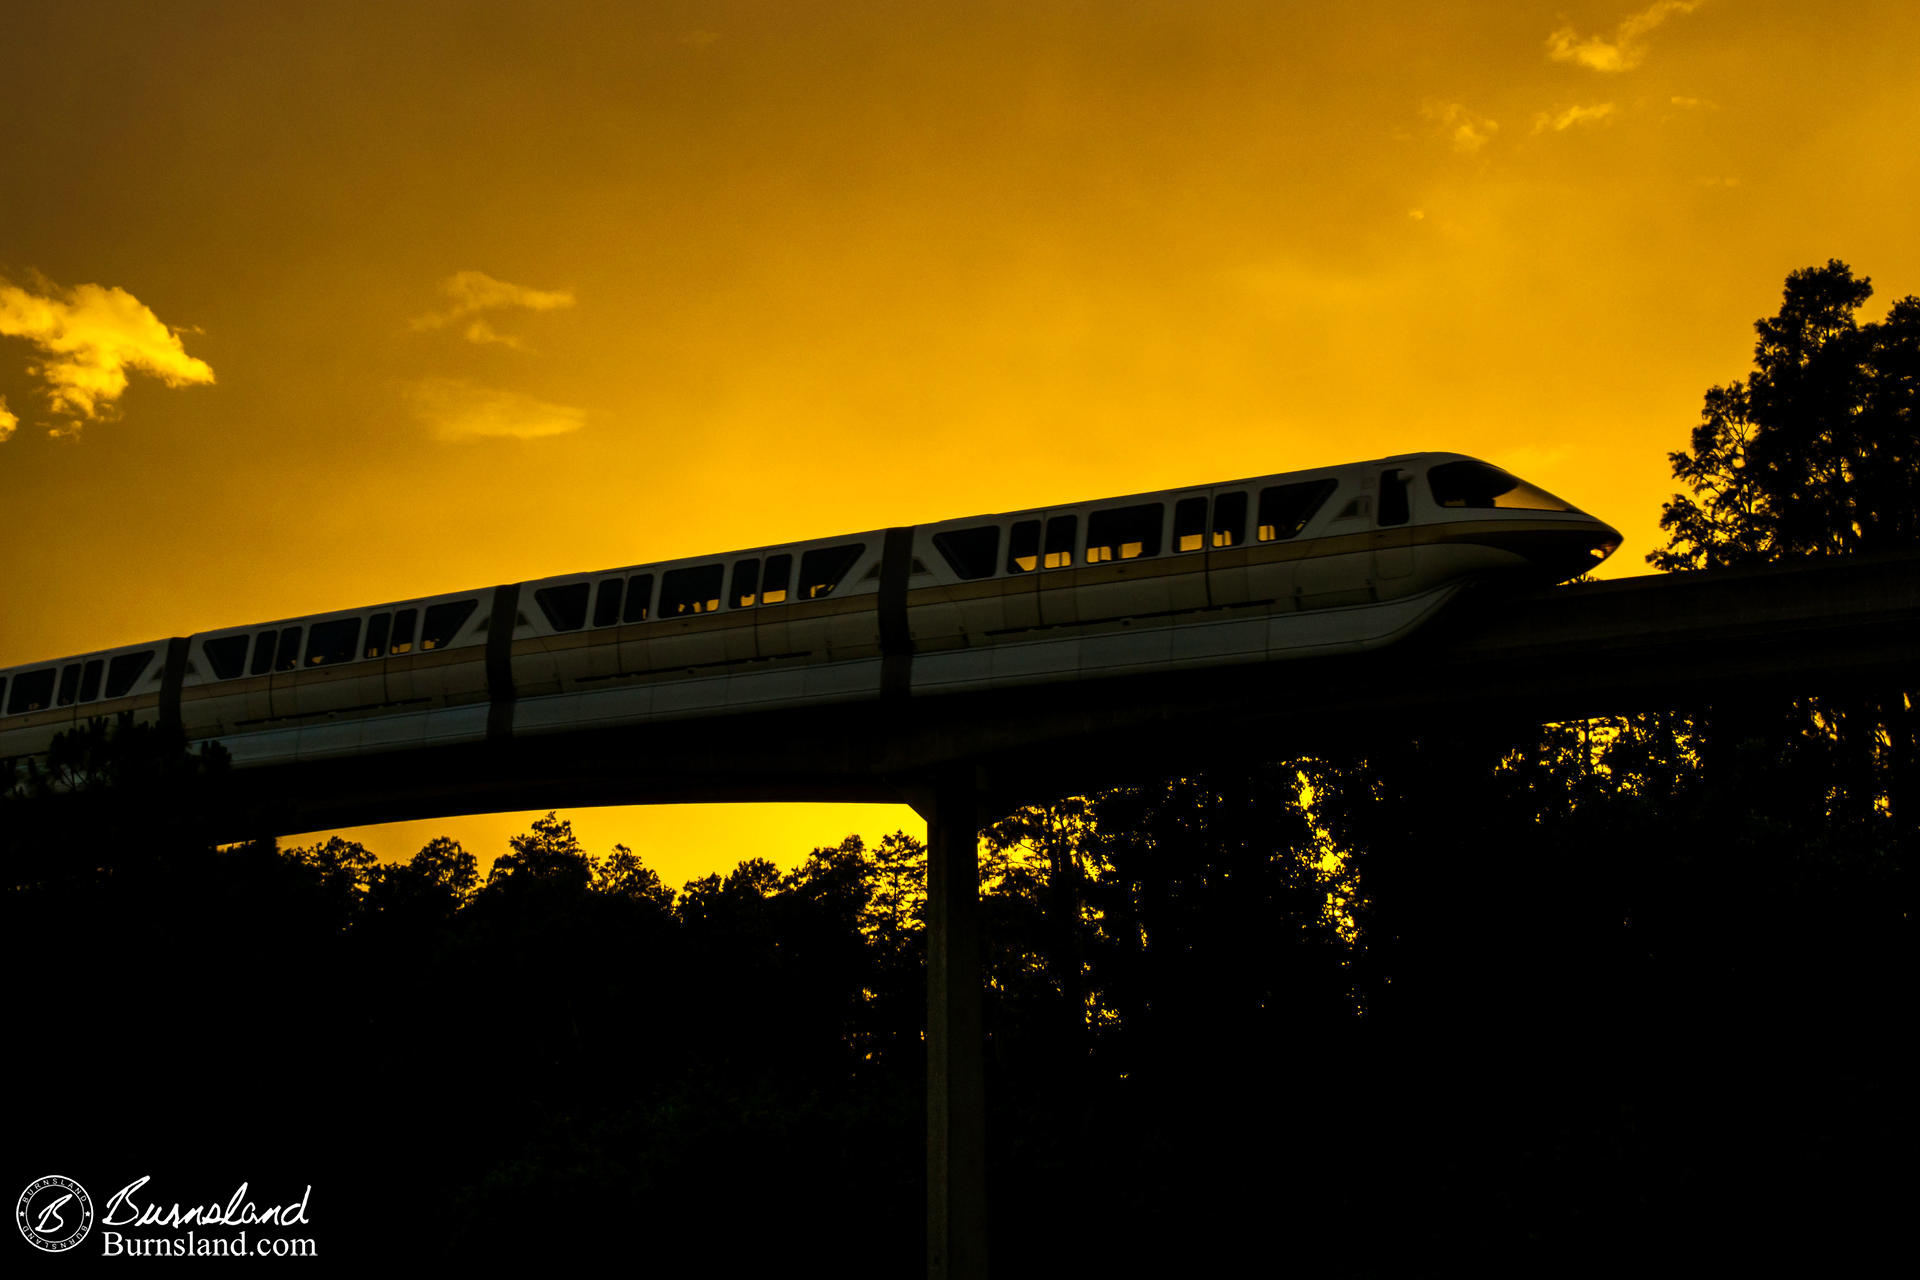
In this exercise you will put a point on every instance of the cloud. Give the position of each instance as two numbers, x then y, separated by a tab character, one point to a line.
1467	131
1691	104
483	334
9	422
89	338
1628	47
454	409
471	292
1571	116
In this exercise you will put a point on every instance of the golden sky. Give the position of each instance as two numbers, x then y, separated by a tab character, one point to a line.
310	306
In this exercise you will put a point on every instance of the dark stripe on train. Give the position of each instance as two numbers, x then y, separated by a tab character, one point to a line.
896	640
500	692
172	675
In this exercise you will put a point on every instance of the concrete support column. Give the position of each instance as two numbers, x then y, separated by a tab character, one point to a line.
956	1103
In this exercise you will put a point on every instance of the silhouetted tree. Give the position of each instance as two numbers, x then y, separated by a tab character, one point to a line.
1816	452
549	853
444	863
621	874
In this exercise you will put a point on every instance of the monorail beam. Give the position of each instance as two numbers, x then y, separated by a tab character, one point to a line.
1601	649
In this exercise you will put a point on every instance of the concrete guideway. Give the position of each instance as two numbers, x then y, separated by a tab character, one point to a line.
1605	648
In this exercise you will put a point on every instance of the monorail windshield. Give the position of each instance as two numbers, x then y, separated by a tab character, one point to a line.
1476	484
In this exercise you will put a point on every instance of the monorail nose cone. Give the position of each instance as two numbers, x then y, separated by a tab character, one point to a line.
1601	543
1568	553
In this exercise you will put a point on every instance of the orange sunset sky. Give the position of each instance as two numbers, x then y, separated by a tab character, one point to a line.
316	305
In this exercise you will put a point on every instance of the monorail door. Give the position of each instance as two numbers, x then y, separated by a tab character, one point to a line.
1392	538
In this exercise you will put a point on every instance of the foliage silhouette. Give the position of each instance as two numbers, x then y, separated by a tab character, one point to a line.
1817	451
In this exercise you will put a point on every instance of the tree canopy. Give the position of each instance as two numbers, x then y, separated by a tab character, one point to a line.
1817	451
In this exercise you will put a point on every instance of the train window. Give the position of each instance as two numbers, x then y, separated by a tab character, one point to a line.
606	602
286	656
227	655
1059	549
3	690
822	568
1230	519
746	583
1023	547
443	623
377	627
403	624
1393	497
1189	524
32	690
1285	509
684	591
565	607
971	553
333	641
773	583
263	653
1475	484
1124	533
90	680
124	670
639	596
69	685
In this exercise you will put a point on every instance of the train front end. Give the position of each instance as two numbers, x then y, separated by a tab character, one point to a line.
1470	516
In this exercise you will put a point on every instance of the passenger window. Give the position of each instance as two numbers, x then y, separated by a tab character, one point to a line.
124	670
606	605
1285	509
1060	535
69	685
684	591
32	690
822	569
333	642
263	652
377	627
90	679
1023	547
639	596
971	553
403	624
287	656
1189	524
565	607
746	583
1124	533
227	655
773	585
1230	519
443	623
1393	497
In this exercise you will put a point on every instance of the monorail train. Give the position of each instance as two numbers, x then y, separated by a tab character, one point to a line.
1337	559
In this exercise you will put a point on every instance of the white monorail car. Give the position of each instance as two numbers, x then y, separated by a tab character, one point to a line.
1338	559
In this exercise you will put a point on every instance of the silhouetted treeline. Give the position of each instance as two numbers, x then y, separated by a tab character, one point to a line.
1522	1000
